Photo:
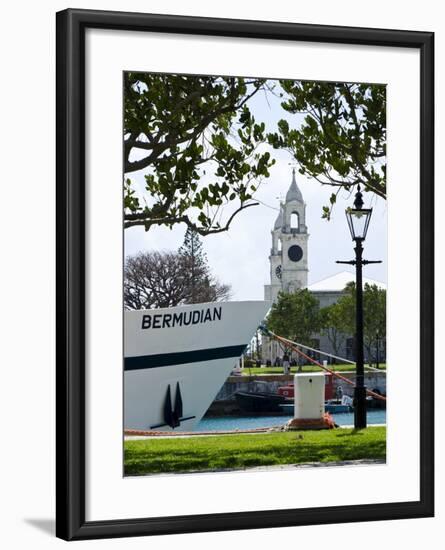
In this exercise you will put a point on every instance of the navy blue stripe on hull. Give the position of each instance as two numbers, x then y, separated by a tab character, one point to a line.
182	357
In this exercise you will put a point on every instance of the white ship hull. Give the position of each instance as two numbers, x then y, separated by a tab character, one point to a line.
177	359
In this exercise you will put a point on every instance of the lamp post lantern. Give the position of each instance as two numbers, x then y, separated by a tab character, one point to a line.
358	221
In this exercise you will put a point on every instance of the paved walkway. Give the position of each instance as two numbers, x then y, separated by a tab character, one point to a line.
139	434
278	467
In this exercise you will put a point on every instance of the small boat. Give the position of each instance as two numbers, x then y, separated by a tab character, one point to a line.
288	408
337	406
259	399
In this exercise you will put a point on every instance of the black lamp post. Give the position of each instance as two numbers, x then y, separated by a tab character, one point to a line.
358	221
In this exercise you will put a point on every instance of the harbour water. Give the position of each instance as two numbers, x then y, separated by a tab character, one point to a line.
223	423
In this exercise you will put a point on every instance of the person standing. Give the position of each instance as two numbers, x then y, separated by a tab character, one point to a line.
286	363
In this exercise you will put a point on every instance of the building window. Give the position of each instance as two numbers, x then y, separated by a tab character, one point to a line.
382	350
350	349
314	354
294	221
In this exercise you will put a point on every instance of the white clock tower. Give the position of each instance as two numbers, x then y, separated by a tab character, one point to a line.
288	255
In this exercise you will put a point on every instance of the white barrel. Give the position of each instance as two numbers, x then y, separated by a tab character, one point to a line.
309	395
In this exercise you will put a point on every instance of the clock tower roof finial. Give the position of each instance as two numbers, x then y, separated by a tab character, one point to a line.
294	192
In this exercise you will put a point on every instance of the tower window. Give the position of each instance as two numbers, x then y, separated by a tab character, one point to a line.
294	220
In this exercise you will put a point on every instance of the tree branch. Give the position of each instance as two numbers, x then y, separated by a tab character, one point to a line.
172	140
138	219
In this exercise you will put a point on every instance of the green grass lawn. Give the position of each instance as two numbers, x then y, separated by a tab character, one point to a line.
306	368
203	453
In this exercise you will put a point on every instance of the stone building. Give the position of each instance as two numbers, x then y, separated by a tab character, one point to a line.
289	271
288	254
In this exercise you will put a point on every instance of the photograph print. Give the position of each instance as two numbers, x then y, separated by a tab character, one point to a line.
255	242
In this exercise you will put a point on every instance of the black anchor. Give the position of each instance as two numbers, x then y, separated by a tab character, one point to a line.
172	416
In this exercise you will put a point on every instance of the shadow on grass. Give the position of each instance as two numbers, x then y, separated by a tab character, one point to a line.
353	432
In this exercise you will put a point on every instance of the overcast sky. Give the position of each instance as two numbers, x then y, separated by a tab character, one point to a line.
239	256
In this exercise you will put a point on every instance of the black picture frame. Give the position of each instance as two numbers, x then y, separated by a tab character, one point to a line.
70	171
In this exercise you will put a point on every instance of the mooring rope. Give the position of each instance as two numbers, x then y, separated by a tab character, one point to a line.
294	345
326	353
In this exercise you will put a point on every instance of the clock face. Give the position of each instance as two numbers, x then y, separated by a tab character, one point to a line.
295	253
278	271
